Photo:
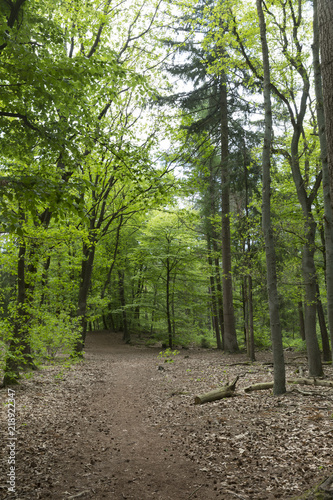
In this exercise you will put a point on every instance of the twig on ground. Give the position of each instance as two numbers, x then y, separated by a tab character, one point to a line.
77	495
191	495
236	494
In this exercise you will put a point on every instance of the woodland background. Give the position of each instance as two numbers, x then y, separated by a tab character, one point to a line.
165	171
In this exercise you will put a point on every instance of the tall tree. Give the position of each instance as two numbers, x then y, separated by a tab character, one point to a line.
278	359
230	336
325	125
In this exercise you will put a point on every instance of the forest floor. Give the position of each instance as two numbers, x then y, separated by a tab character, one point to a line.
122	424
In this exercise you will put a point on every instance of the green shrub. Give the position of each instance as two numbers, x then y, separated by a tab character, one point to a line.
52	335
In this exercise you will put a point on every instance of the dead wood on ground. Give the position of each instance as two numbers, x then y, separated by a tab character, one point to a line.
223	392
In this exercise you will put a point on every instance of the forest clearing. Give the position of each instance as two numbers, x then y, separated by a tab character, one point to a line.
116	426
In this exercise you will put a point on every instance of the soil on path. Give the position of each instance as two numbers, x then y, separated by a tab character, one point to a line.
130	458
123	425
90	436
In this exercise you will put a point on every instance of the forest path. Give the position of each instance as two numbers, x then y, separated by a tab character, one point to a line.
116	453
116	427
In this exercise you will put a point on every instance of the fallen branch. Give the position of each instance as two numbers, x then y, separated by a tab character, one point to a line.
236	494
223	392
81	494
191	495
297	381
259	387
311	381
243	363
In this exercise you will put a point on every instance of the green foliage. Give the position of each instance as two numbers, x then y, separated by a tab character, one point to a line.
53	336
168	355
87	187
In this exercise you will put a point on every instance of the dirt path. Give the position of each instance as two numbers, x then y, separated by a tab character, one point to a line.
130	459
116	427
87	433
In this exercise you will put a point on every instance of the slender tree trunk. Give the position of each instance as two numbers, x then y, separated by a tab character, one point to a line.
250	340
213	297
323	330
245	313
126	333
251	351
153	311
108	276
86	273
324	94
168	280
301	320
230	335
173	307
273	299
309	276
46	267
19	352
219	297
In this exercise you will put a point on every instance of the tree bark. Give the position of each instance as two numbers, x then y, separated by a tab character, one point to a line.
87	265
219	293
301	320
251	350
168	312
230	335
126	334
323	330
213	297
324	93
309	276
273	299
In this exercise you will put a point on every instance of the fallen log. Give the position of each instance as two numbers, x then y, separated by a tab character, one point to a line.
223	392
259	387
297	381
311	381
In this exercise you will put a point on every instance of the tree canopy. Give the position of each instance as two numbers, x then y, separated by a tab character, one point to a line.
164	173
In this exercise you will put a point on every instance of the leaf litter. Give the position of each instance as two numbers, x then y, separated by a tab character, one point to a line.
75	425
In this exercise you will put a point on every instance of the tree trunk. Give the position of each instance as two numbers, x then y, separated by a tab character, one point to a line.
273	299
230	335
250	326
168	280
309	276
301	320
251	352
219	294
19	353
87	265
325	17
126	334
323	330
324	93
213	297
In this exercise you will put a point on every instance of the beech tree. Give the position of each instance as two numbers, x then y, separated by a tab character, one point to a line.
69	83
